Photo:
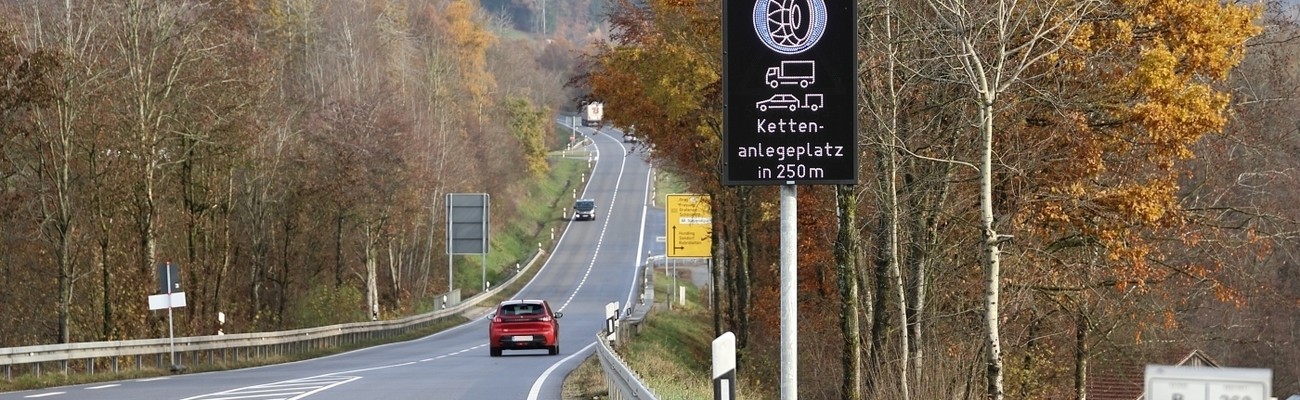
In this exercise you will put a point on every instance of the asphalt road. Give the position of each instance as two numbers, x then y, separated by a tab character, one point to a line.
593	264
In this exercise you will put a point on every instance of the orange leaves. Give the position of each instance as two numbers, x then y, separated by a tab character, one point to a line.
470	42
661	75
1112	175
1146	203
1177	111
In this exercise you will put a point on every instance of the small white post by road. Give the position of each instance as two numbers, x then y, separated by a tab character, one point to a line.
675	284
611	321
724	367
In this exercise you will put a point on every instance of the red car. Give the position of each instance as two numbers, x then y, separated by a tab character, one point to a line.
524	325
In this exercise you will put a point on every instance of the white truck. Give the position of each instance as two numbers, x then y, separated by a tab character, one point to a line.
592	113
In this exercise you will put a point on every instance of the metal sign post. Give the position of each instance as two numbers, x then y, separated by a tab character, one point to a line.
789	292
171	331
169	284
467	231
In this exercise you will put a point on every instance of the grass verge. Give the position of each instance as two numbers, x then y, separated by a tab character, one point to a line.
672	354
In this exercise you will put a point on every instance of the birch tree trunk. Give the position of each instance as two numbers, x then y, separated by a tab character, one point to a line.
992	261
993	45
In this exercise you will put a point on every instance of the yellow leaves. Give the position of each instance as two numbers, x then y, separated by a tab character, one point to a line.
661	74
1207	36
1082	39
1184	44
1145	203
1175	112
1155	71
679	76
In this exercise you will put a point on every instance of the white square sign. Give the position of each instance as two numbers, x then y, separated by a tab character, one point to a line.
162	301
1165	382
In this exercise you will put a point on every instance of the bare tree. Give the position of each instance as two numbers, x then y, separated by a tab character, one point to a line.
59	138
992	45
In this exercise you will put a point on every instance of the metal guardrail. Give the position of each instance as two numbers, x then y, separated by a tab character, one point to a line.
621	382
638	312
86	356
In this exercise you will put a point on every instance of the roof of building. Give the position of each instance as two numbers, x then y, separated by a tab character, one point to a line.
1123	379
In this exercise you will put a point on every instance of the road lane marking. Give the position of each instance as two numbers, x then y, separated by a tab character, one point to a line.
537	384
371	369
640	241
292	389
103	386
151	379
600	239
44	395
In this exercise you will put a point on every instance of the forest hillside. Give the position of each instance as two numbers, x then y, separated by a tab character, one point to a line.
292	157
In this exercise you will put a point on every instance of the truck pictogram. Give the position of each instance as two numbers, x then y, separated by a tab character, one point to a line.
798	72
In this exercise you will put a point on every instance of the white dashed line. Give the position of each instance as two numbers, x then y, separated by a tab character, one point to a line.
44	395
102	387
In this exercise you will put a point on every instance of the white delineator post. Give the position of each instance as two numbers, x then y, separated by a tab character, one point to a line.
724	367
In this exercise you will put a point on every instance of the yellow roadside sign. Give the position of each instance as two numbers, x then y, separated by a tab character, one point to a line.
690	226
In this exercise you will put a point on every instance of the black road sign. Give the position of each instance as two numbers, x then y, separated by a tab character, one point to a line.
789	92
169	278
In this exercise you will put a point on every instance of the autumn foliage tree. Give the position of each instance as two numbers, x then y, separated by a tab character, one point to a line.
1088	112
291	156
